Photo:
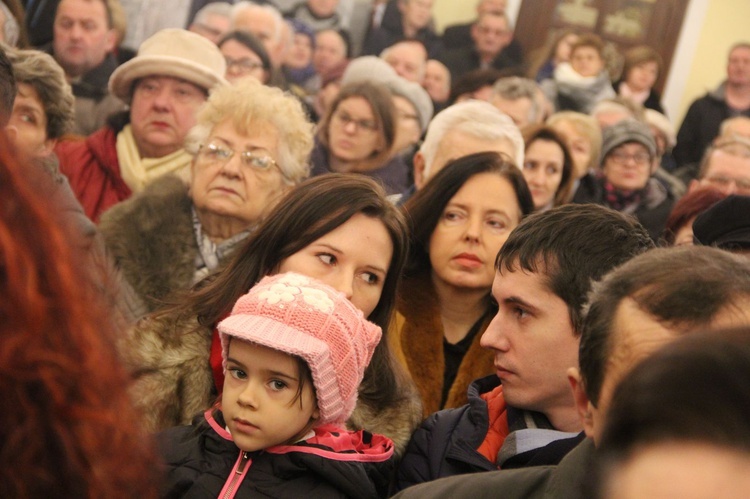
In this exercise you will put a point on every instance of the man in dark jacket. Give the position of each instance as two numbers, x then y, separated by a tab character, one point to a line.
83	45
638	307
704	117
491	35
414	23
525	414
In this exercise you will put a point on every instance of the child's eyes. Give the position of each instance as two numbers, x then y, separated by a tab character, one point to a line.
237	373
370	278
277	385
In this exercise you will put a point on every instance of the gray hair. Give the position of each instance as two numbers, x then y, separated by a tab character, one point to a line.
725	129
216	8
515	88
43	74
476	118
246	5
249	102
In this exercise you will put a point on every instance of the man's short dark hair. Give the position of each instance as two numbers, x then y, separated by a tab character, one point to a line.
681	288
573	245
7	88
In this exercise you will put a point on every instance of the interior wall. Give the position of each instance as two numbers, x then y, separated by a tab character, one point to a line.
709	29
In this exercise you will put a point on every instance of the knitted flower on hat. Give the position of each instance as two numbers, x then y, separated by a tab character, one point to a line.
297	315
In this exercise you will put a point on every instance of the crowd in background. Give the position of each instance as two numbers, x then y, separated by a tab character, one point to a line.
462	210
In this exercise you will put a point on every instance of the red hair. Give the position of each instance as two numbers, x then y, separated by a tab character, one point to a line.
687	208
67	427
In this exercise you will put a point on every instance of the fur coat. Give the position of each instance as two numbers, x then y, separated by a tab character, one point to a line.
418	337
152	241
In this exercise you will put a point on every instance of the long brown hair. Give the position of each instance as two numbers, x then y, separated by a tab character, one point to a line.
310	211
67	428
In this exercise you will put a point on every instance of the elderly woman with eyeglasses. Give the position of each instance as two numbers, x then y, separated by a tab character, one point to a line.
250	146
357	135
625	182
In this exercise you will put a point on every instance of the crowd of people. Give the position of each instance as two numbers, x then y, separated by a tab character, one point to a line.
314	247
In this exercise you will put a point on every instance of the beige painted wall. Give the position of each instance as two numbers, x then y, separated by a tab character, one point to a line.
725	23
449	12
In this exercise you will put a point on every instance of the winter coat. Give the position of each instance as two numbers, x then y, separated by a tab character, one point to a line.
448	442
393	175
564	481
152	240
417	339
701	125
203	461
168	357
652	211
93	171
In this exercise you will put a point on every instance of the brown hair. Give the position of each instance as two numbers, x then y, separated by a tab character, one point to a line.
381	103
641	55
308	212
589	40
533	133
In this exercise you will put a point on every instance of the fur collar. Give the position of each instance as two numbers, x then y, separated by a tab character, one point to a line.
421	340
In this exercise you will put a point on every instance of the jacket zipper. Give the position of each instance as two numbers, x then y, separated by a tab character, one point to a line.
237	476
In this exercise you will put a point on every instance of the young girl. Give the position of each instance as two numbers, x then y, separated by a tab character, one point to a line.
294	352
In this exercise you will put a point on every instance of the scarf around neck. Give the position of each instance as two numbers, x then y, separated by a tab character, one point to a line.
138	172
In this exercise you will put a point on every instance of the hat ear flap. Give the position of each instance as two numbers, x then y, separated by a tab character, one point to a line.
372	334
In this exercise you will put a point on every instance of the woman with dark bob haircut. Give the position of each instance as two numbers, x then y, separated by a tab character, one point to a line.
356	135
458	222
337	228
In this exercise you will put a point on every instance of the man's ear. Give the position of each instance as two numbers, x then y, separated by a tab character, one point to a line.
110	41
583	405
419	166
48	148
693	185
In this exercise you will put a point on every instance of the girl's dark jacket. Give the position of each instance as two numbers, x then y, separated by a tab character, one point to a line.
203	461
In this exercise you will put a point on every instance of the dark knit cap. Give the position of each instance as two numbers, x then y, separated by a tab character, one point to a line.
627	131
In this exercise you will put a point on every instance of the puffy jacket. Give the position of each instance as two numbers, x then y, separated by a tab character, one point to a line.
203	461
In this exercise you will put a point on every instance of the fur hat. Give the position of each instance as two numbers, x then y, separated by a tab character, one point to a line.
627	131
172	52
418	96
308	319
725	225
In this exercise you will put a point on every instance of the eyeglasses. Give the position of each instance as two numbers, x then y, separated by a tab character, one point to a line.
621	158
243	65
217	154
741	184
344	119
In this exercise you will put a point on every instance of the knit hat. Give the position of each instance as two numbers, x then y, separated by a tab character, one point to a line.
725	225
297	315
368	68
418	96
172	52
627	131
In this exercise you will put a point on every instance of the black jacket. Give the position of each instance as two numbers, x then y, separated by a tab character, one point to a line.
446	443
203	461
701	125
651	212
464	59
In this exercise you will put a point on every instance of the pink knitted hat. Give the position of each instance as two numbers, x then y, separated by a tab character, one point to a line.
303	317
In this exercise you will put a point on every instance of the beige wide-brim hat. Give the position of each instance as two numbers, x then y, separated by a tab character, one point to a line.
172	52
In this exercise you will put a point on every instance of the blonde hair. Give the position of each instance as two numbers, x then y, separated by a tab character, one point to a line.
248	102
584	125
